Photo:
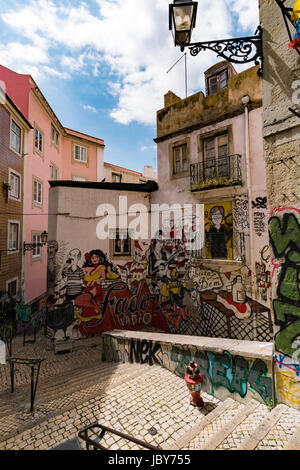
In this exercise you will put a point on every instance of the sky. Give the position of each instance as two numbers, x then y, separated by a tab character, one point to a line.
102	64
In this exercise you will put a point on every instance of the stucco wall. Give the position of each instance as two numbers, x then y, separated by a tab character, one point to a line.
282	154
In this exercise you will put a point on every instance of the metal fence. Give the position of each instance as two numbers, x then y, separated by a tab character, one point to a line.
216	172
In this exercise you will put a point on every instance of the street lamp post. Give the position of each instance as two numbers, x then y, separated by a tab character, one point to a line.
182	20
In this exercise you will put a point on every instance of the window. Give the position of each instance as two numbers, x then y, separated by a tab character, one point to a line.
180	159
80	153
53	172
79	178
15	137
54	137
216	161
37	251
217	82
13	235
12	287
121	243
38	140
116	178
37	192
15	185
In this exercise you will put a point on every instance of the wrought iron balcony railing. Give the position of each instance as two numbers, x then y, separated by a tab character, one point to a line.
214	173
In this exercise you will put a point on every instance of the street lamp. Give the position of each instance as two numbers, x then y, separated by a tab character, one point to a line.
182	20
32	246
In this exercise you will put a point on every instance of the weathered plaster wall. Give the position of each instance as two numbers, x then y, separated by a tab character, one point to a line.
282	155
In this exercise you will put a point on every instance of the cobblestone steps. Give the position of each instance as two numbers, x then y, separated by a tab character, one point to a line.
59	394
245	427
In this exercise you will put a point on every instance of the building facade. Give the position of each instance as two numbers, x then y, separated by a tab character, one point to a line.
53	152
281	132
13	146
210	153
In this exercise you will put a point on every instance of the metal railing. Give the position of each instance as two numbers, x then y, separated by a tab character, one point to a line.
94	433
237	249
212	173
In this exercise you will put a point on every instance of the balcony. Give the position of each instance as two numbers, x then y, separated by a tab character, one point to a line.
216	173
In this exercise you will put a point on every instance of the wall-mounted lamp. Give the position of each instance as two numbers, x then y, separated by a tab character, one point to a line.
32	246
182	20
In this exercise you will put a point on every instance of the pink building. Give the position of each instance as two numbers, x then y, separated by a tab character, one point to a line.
54	152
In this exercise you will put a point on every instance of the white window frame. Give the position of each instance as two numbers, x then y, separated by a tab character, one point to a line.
81	159
9	281
54	169
18	151
35	201
16	174
54	136
121	233
40	138
10	250
37	251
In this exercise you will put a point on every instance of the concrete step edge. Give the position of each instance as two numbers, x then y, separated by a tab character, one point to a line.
251	442
205	421
294	442
241	415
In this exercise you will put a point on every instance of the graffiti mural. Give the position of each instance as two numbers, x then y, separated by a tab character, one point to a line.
218	231
241	214
284	229
222	373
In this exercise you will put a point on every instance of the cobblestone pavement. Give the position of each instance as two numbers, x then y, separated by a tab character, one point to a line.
76	390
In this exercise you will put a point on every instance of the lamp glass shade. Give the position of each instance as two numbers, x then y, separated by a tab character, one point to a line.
182	21
44	237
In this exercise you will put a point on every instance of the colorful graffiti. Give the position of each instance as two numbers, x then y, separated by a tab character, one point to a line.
218	231
287	372
284	229
221	372
285	241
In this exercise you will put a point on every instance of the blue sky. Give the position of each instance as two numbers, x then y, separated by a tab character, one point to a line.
102	64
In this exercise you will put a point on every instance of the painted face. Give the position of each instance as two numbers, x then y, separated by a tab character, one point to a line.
217	218
95	259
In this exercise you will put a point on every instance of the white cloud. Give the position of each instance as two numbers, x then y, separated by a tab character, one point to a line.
87	107
143	148
128	39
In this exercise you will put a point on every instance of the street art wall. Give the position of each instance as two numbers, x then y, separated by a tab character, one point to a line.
223	374
284	230
161	288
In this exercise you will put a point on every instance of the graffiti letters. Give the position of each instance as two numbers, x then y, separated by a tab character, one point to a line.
285	240
259	203
144	352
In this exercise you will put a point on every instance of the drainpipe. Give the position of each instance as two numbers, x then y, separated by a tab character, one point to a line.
245	102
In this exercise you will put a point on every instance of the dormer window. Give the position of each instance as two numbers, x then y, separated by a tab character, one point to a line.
217	82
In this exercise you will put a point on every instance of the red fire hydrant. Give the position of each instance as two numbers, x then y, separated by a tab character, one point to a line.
194	380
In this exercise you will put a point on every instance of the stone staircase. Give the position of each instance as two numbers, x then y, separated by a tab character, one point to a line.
234	426
76	390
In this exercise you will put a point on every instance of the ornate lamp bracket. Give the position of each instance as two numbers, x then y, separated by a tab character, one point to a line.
237	50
